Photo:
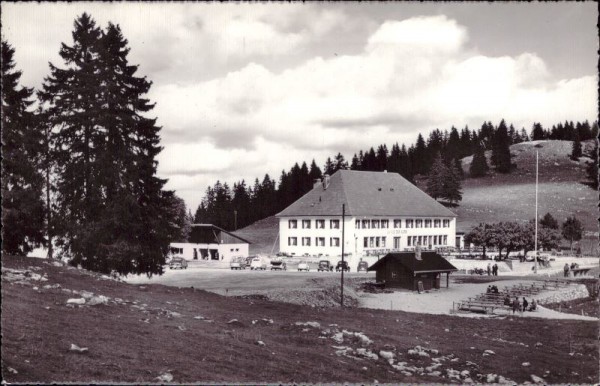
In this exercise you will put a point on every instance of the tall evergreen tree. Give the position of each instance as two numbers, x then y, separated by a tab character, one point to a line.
524	136
329	167
451	183
314	171
576	149
339	163
537	132
592	167
22	150
394	160
479	166
501	149
548	221
115	214
436	178
420	161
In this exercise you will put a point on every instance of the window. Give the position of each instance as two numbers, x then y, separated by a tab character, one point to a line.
410	223
357	224
320	224
396	242
409	240
366	224
445	242
293	224
366	243
420	240
292	241
429	240
334	224
306	241
419	224
435	240
377	242
305	224
334	241
427	223
383	242
446	223
375	224
436	223
320	241
398	223
385	224
371	242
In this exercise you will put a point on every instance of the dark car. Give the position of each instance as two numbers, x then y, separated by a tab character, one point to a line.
362	266
178	262
325	266
342	265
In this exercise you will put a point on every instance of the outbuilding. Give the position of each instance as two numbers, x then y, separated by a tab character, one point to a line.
414	270
209	242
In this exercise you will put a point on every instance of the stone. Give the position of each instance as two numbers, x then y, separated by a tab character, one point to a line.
166	377
525	364
202	318
489	352
79	301
387	355
260	343
537	379
11	370
95	300
76	348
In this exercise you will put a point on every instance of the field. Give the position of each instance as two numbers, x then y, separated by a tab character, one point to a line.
154	333
499	197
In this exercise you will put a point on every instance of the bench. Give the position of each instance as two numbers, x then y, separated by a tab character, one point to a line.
580	271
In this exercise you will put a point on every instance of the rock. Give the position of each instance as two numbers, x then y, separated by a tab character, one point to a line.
434	373
95	300
260	343
76	301
490	378
446	330
537	379
525	364
76	348
338	338
364	368
166	377
182	328
199	317
465	373
538	344
387	355
310	324
468	380
11	370
86	294
489	352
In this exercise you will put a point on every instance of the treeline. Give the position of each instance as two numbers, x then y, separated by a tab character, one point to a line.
514	236
437	158
79	171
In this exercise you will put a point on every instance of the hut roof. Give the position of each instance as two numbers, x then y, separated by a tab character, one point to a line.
430	262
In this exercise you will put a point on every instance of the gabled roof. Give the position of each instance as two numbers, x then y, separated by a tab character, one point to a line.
366	194
212	234
430	262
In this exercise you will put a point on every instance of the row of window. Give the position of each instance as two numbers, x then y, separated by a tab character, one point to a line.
319	224
427	240
319	241
408	223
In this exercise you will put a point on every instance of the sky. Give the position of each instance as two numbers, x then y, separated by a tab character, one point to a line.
247	89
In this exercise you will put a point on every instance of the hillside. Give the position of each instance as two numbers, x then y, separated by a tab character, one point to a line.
499	197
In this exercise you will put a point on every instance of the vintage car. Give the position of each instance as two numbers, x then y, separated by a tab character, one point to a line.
362	266
325	266
303	266
178	262
342	265
258	263
238	262
278	265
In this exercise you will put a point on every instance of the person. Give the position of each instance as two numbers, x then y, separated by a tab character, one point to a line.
489	269
495	269
515	305
507	300
525	304
489	289
566	269
533	305
495	289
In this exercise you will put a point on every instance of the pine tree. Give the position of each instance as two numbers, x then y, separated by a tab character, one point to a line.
22	150
438	173
576	150
329	167
420	162
394	160
592	167
548	221
479	166
451	184
524	136
537	132
501	158
339	163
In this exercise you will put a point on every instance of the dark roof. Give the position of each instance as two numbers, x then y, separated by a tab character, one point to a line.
366	194
212	234
430	262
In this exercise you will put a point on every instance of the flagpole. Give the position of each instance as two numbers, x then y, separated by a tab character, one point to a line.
536	211
343	265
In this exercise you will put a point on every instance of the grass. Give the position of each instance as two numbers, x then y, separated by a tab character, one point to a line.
136	340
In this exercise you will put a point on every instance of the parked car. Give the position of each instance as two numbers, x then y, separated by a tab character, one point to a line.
278	265
249	261
362	266
258	264
178	262
342	265
325	266
238	262
303	266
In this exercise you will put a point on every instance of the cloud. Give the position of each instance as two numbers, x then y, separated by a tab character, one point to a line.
413	75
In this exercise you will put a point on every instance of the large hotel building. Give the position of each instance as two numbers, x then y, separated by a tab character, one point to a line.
383	213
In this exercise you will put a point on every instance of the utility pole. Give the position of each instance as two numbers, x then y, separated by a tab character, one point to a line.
235	220
343	265
536	213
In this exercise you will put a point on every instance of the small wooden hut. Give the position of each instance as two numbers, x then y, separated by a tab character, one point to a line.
413	270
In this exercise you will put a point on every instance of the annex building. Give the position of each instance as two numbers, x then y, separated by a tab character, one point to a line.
209	242
383	213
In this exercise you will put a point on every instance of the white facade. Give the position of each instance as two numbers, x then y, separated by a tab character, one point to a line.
214	251
364	235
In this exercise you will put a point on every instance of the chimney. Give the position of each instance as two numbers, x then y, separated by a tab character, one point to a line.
325	181
317	182
418	252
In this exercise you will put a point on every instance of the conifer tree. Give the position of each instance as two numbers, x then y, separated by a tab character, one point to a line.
592	167
576	150
479	166
451	184
501	149
438	173
537	132
22	150
548	221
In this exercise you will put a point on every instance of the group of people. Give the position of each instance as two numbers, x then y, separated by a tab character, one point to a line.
492	270
568	268
492	289
520	305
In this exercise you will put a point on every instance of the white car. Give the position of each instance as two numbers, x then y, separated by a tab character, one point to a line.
258	264
303	266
